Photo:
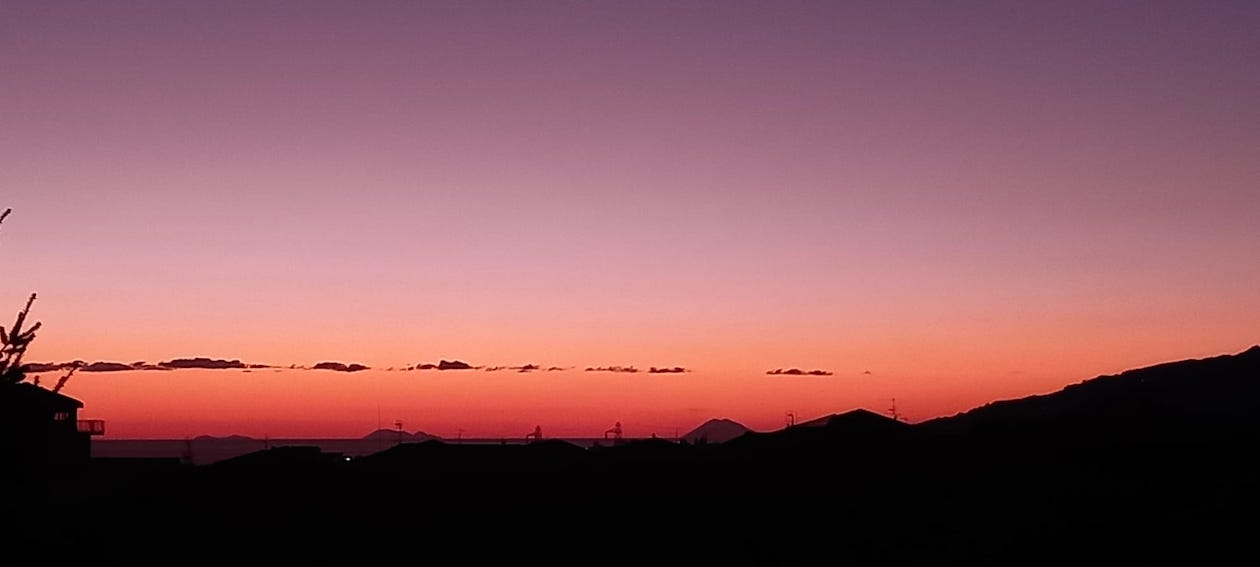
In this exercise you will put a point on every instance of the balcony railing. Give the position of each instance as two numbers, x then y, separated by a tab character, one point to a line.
92	426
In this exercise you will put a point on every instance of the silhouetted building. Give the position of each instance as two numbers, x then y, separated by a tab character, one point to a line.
41	428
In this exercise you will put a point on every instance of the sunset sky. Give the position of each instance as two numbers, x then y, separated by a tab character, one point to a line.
968	200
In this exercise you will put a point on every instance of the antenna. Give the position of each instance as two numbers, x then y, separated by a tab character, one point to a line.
789	418
892	410
398	424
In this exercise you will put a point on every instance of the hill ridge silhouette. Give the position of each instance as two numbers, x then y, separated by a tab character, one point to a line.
1217	391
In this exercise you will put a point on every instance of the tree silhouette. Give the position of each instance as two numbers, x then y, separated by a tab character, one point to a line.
15	340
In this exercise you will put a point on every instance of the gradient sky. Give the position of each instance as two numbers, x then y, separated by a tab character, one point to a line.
971	200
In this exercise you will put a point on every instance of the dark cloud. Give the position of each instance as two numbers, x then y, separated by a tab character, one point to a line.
522	368
798	372
339	367
105	367
176	364
459	365
626	369
38	367
446	365
142	365
667	370
208	363
82	366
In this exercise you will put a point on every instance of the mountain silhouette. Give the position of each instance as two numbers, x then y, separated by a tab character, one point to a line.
715	431
1174	400
858	430
858	421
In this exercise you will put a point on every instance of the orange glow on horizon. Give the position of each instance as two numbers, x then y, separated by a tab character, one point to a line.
285	403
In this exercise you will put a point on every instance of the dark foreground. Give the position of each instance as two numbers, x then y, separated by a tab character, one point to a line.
1127	469
660	503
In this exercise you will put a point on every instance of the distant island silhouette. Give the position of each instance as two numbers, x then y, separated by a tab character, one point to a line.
396	435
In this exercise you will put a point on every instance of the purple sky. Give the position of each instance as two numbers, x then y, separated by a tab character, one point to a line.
714	184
